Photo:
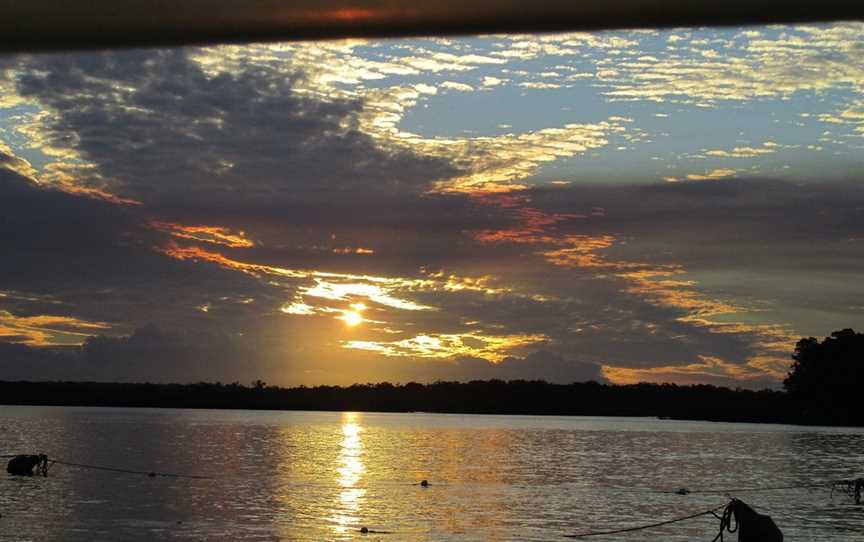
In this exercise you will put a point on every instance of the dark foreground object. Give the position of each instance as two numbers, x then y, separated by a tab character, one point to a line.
23	465
752	526
853	488
60	24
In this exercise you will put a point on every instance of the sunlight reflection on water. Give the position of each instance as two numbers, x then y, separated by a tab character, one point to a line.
349	472
323	476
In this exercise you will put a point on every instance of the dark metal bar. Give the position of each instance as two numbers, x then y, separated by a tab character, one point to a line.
40	25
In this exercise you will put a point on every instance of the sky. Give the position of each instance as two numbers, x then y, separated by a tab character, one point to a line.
661	206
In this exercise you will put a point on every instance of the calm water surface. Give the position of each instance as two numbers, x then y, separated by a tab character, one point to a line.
322	476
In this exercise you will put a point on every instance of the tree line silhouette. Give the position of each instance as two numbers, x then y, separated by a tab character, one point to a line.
821	388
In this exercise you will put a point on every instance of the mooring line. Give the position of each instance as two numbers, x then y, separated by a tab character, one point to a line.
711	511
683	491
151	474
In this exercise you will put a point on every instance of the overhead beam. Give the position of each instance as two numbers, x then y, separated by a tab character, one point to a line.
42	25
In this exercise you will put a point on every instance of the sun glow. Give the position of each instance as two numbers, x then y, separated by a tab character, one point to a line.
354	316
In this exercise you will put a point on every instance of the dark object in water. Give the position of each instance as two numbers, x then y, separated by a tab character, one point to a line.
683	491
23	465
424	483
364	530
751	525
850	487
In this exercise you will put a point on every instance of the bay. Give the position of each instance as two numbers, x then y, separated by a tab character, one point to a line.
325	475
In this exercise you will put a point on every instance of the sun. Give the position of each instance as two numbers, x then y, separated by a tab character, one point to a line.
352	318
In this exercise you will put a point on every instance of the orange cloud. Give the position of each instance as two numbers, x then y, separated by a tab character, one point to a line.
97	193
534	226
492	348
386	291
47	330
208	234
709	369
349	250
651	282
581	252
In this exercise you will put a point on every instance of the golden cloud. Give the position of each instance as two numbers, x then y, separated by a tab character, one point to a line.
47	330
208	234
492	348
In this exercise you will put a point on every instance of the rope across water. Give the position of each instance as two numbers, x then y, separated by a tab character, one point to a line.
151	474
710	511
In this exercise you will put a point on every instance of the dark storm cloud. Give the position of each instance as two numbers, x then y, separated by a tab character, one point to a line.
76	256
246	150
539	365
161	130
150	354
787	252
730	224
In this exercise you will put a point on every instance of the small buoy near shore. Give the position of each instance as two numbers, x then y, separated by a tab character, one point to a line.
364	530
424	483
23	465
683	491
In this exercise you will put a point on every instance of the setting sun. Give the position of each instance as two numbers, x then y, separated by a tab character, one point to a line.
352	318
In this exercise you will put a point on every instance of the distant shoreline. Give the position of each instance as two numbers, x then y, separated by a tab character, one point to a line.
518	397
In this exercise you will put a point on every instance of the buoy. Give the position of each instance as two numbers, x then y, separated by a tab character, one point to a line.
424	483
683	491
364	530
23	465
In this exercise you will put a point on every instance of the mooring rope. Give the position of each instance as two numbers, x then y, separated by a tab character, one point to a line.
726	521
683	491
711	511
151	474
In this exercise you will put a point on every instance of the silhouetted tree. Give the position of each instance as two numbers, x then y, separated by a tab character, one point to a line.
827	378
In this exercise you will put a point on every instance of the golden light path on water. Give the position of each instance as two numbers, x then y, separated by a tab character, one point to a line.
349	474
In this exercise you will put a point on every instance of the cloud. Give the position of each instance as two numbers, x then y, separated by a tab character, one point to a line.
15	164
491	348
208	234
155	127
717	173
147	355
453	85
746	67
768	147
252	197
852	116
539	365
45	329
708	370
72	257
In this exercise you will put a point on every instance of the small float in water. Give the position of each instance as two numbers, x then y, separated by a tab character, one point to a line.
24	465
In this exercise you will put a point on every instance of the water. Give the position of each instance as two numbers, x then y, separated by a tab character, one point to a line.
323	476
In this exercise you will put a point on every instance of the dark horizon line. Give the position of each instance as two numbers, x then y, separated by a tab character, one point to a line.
516	397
